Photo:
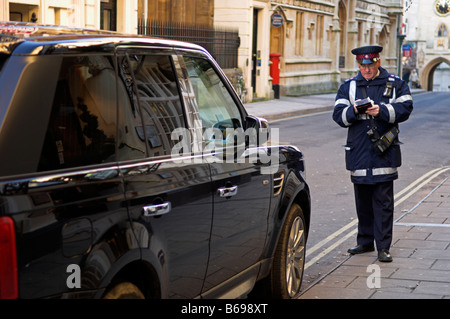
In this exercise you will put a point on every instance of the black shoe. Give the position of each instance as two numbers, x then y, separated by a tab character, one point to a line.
384	256
361	249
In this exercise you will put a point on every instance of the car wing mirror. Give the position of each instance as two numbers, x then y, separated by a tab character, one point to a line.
257	131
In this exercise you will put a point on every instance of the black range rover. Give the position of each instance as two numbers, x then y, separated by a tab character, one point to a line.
130	168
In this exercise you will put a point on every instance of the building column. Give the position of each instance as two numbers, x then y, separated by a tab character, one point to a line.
263	48
352	35
334	47
4	11
127	16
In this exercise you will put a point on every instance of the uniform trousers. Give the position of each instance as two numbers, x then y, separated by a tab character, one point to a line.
375	210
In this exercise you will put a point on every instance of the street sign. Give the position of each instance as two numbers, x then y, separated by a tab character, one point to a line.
277	20
406	49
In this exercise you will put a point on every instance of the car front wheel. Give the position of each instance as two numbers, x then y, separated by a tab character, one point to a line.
289	259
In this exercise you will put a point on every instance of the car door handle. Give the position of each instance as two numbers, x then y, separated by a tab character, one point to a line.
157	210
227	191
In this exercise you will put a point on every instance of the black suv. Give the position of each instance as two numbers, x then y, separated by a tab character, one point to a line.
130	168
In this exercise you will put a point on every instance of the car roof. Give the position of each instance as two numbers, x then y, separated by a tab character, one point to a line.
40	39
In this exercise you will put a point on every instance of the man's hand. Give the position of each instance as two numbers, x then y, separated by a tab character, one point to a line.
373	110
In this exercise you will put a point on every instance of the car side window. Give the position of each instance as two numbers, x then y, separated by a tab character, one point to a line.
217	109
148	98
82	124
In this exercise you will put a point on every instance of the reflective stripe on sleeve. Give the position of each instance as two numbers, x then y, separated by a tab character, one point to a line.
344	116
391	111
342	101
352	92
404	98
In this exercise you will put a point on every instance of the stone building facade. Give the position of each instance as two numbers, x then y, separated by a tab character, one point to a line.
314	37
117	15
427	25
318	37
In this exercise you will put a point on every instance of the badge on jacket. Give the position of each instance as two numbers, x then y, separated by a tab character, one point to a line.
388	90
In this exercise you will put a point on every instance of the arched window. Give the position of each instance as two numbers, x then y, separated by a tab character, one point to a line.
442	31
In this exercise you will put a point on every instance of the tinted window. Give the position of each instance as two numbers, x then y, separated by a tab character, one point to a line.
217	109
148	98
82	124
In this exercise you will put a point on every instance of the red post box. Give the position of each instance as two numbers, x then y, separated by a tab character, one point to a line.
275	73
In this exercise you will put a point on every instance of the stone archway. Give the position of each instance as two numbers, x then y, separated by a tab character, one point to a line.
427	72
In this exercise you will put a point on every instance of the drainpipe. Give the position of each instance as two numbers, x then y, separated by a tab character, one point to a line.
400	37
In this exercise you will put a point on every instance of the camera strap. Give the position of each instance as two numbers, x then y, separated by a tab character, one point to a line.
382	143
372	122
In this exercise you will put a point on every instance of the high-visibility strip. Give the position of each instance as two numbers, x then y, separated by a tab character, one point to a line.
391	111
352	92
375	171
344	116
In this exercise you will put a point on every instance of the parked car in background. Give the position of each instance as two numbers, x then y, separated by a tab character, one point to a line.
130	168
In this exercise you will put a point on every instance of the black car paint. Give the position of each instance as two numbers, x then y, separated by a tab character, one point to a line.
92	216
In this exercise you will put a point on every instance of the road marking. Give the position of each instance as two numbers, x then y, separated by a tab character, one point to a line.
422	224
332	236
438	172
410	188
422	200
417	181
330	249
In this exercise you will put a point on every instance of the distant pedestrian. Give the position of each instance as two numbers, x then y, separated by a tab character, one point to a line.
372	149
406	77
414	79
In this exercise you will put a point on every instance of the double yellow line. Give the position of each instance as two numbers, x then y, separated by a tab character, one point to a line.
398	199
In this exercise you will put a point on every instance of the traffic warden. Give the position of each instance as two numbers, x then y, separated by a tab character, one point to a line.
371	105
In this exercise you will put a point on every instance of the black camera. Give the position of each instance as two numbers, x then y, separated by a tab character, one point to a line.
384	142
363	105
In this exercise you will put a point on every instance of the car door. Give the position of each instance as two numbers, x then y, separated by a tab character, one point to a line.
241	193
169	199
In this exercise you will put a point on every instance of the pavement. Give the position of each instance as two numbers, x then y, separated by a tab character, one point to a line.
421	245
289	106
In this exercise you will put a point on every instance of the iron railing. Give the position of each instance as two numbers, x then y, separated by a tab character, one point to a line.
221	43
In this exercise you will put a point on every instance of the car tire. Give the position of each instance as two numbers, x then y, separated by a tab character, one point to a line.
124	290
289	259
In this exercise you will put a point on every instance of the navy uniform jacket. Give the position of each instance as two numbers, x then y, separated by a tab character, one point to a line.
364	164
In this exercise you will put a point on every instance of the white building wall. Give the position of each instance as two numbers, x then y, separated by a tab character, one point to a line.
430	50
127	16
239	14
75	13
441	81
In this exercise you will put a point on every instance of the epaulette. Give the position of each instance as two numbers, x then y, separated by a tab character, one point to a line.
392	77
348	80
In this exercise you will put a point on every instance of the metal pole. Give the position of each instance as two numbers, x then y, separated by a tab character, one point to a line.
400	37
